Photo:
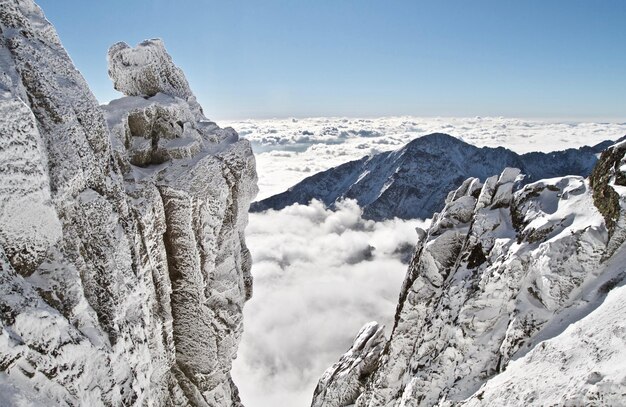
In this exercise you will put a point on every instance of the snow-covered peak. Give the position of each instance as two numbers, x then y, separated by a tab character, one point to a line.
413	181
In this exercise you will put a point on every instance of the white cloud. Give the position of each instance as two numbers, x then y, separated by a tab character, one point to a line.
321	143
319	276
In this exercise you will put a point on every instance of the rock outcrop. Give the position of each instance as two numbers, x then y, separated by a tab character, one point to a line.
147	70
502	269
345	380
123	266
413	181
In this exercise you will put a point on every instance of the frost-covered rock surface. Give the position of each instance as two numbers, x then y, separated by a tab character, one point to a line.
500	274
123	267
345	380
412	182
583	366
147	70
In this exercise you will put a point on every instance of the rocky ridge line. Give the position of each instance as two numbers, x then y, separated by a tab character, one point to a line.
413	181
501	269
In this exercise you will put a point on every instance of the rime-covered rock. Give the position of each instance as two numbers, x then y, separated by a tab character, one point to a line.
342	383
502	269
123	266
147	70
29	224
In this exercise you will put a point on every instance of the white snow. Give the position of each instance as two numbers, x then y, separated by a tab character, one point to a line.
320	274
584	365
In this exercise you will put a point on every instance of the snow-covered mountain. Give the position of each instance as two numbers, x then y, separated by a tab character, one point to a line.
123	266
413	181
505	301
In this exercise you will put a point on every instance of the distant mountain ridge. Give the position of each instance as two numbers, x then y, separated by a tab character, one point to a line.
413	181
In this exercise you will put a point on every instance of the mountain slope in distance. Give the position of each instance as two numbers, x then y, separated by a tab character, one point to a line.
413	181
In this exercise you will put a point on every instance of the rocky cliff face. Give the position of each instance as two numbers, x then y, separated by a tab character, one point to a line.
413	181
501	269
123	263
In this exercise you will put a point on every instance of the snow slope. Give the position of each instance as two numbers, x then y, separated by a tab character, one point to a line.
123	266
584	365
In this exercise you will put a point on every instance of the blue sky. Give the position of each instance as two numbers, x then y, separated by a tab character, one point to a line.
259	59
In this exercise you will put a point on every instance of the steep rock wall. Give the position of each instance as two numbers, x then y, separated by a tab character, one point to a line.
123	263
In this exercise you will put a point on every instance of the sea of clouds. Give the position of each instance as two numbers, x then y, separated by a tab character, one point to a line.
289	150
320	275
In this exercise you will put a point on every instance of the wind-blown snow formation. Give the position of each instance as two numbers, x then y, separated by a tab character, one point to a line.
412	182
498	277
123	264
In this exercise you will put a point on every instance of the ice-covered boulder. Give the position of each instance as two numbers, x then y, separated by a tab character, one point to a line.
147	70
123	265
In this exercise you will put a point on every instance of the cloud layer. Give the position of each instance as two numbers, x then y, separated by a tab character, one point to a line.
319	276
289	150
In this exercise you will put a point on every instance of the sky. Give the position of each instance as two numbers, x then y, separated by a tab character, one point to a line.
253	59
